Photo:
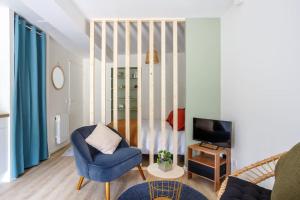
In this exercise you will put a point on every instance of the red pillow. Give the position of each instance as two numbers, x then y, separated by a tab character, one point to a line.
170	118
181	119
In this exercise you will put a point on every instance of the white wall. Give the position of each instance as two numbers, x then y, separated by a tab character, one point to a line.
86	91
145	85
6	57
70	98
6	61
260	77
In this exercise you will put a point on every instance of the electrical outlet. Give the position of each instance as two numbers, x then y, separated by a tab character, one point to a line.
222	155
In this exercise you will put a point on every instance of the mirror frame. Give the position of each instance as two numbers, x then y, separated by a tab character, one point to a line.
57	66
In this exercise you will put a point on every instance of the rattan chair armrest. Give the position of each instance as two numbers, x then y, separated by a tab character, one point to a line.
254	173
271	160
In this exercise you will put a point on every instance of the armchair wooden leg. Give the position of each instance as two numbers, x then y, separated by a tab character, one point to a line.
141	172
80	182
107	191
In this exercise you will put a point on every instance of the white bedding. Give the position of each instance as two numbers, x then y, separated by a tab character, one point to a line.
159	138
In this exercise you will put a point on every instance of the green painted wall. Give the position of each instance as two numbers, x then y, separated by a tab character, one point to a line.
202	71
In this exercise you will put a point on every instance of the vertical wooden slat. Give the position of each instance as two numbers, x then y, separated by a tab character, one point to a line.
139	84
115	77
151	91
163	84
103	71
92	72
127	81
175	93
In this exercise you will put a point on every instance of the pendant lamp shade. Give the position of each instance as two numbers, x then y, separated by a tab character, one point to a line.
155	57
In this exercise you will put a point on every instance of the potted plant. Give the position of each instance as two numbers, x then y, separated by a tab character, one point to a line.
165	160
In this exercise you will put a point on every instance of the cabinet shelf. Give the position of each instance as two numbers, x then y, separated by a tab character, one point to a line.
123	109
131	98
123	78
121	98
206	160
121	90
124	88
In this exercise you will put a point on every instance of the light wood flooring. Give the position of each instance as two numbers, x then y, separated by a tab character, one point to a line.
56	179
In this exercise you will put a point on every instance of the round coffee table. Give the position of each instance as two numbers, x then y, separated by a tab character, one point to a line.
141	192
170	184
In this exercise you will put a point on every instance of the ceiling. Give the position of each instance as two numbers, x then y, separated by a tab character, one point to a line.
154	8
67	21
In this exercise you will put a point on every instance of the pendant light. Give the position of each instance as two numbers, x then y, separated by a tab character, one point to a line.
155	57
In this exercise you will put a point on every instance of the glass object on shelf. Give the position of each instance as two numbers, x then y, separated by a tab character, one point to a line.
133	76
122	86
121	75
122	107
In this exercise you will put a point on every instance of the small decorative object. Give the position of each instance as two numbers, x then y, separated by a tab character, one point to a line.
165	160
122	86
134	76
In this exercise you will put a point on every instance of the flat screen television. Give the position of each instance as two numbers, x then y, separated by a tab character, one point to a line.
215	132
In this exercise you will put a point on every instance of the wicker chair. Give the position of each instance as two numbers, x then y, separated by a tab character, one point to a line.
254	173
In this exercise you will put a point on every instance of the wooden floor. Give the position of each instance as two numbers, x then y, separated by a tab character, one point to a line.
56	179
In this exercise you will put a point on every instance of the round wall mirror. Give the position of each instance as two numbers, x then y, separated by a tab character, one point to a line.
58	78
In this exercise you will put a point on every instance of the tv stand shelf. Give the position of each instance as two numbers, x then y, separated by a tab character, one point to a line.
207	160
208	163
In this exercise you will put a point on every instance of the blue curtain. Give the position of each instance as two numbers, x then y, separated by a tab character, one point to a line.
29	122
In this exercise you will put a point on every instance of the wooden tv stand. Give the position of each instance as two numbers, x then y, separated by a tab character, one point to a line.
208	164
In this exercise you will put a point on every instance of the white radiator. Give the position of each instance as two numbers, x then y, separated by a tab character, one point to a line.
61	128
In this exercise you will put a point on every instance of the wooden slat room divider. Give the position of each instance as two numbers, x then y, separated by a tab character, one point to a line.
139	24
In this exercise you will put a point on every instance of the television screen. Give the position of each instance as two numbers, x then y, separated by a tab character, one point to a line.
212	131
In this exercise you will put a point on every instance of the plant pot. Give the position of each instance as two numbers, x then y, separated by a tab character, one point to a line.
165	165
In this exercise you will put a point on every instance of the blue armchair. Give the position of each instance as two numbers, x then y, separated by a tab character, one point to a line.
96	166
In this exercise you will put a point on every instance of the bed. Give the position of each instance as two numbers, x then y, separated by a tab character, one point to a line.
158	136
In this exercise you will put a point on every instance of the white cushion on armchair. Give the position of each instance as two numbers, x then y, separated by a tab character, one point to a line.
104	139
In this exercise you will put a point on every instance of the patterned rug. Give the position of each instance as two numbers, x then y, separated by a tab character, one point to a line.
141	192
